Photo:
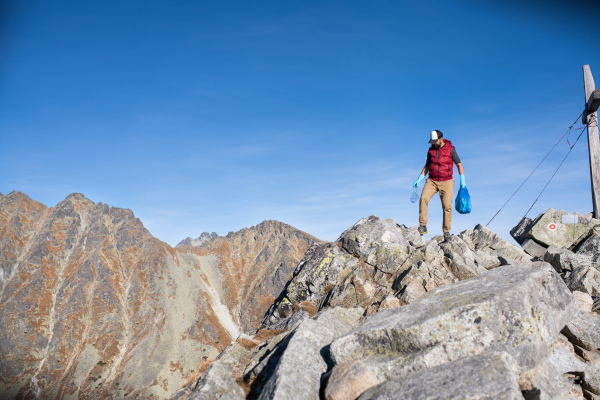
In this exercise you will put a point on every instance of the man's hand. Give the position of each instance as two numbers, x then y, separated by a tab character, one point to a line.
463	184
419	179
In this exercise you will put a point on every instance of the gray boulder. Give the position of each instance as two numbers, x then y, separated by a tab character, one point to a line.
379	242
565	236
304	352
483	376
565	260
591	247
584	279
584	330
519	309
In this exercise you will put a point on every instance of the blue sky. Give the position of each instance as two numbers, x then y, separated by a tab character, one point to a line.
217	115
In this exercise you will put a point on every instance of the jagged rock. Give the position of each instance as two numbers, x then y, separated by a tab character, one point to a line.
483	376
521	228
354	292
349	380
315	276
591	247
379	242
533	248
489	247
491	312
304	353
360	269
584	300
584	330
461	259
565	260
585	279
413	236
564	236
420	279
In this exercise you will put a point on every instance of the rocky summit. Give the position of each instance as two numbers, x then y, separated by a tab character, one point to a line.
382	313
92	306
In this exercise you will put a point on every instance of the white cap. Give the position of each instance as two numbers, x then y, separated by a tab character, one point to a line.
435	136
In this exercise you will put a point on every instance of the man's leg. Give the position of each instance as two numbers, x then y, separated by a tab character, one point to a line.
446	191
428	191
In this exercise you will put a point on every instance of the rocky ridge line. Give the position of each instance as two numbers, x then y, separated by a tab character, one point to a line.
382	312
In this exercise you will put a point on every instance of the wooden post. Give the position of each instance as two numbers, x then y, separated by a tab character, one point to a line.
593	141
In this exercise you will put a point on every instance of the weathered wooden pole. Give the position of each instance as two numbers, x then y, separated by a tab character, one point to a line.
592	100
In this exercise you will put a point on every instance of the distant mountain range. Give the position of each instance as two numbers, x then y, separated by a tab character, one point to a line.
93	306
203	238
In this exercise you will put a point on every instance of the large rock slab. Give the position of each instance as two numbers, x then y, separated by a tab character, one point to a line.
298	372
519	309
484	376
565	236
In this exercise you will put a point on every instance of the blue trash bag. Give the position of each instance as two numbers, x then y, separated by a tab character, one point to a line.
414	196
463	201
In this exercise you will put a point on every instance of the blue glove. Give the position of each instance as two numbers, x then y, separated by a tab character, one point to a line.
462	181
419	179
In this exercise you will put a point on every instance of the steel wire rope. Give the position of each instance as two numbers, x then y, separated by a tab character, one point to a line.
561	163
535	169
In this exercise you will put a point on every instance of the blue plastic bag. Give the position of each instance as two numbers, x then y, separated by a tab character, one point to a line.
463	201
415	196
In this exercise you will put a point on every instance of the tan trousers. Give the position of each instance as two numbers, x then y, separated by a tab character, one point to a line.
432	187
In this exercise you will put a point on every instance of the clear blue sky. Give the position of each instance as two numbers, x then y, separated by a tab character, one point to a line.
217	115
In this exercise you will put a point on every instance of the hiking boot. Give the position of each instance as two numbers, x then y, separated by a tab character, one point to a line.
446	236
422	230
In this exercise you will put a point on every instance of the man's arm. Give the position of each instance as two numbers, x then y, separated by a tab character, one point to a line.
425	170
461	171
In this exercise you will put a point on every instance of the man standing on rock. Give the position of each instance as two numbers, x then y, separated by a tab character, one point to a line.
440	157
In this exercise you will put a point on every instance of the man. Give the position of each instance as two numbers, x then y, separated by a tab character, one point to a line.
440	157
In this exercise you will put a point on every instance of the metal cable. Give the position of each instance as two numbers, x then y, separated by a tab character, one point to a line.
561	163
526	179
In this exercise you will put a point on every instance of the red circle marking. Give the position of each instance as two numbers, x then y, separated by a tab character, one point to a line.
552	227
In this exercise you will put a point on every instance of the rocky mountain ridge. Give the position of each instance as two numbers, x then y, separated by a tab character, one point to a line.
382	313
93	306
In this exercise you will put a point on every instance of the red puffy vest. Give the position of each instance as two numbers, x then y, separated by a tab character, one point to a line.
440	162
